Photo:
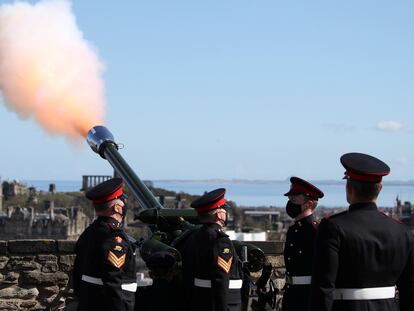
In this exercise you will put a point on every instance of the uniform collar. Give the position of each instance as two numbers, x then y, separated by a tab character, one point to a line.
111	222
368	206
213	225
305	220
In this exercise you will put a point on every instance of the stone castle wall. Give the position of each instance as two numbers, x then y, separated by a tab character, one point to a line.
36	274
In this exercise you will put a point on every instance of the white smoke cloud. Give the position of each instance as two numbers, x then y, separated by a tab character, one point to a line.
48	71
389	126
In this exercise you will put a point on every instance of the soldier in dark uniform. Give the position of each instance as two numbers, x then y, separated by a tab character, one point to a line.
361	255
212	271
299	245
104	270
164	293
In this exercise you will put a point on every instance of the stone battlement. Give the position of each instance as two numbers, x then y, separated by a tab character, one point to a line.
36	274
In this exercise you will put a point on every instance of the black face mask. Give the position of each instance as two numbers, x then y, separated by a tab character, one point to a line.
124	211
124	198
293	210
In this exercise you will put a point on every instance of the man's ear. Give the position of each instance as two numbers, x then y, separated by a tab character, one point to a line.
117	208
349	187
309	204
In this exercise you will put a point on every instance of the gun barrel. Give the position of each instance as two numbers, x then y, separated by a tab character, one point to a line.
102	142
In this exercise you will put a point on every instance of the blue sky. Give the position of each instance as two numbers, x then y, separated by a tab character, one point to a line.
238	89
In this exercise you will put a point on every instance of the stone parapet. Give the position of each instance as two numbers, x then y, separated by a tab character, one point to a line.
36	274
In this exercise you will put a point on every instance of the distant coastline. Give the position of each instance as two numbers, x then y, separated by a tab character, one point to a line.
225	181
276	181
255	193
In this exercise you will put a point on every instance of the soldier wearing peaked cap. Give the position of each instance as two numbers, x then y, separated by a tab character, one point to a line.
298	251
210	263
361	255
104	270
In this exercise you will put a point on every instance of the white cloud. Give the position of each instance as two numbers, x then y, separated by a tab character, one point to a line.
389	126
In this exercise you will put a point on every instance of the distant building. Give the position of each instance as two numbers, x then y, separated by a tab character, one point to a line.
403	211
173	201
90	181
55	223
270	220
13	188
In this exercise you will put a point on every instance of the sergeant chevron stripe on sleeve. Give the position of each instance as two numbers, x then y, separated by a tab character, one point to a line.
118	262
224	264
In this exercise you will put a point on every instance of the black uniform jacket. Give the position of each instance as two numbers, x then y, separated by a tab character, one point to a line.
362	248
298	254
162	295
104	255
209	255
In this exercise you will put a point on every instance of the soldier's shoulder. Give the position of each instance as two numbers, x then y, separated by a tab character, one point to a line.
388	216
221	234
214	233
335	216
314	223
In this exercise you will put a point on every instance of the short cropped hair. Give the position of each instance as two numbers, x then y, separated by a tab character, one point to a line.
365	191
206	217
106	205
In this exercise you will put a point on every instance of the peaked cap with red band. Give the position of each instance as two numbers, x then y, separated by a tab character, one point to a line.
301	186
210	201
106	191
363	167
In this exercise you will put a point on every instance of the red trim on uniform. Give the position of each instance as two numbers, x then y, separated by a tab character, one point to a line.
109	197
364	177
299	188
211	206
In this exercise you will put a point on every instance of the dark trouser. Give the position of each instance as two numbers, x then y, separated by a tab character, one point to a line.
296	298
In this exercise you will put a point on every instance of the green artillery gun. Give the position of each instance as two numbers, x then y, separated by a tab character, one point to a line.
169	227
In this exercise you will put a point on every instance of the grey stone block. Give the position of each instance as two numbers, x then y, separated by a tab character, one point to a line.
42	278
17	263
66	247
3	261
48	262
3	247
18	292
66	262
10	279
32	246
49	291
9	304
